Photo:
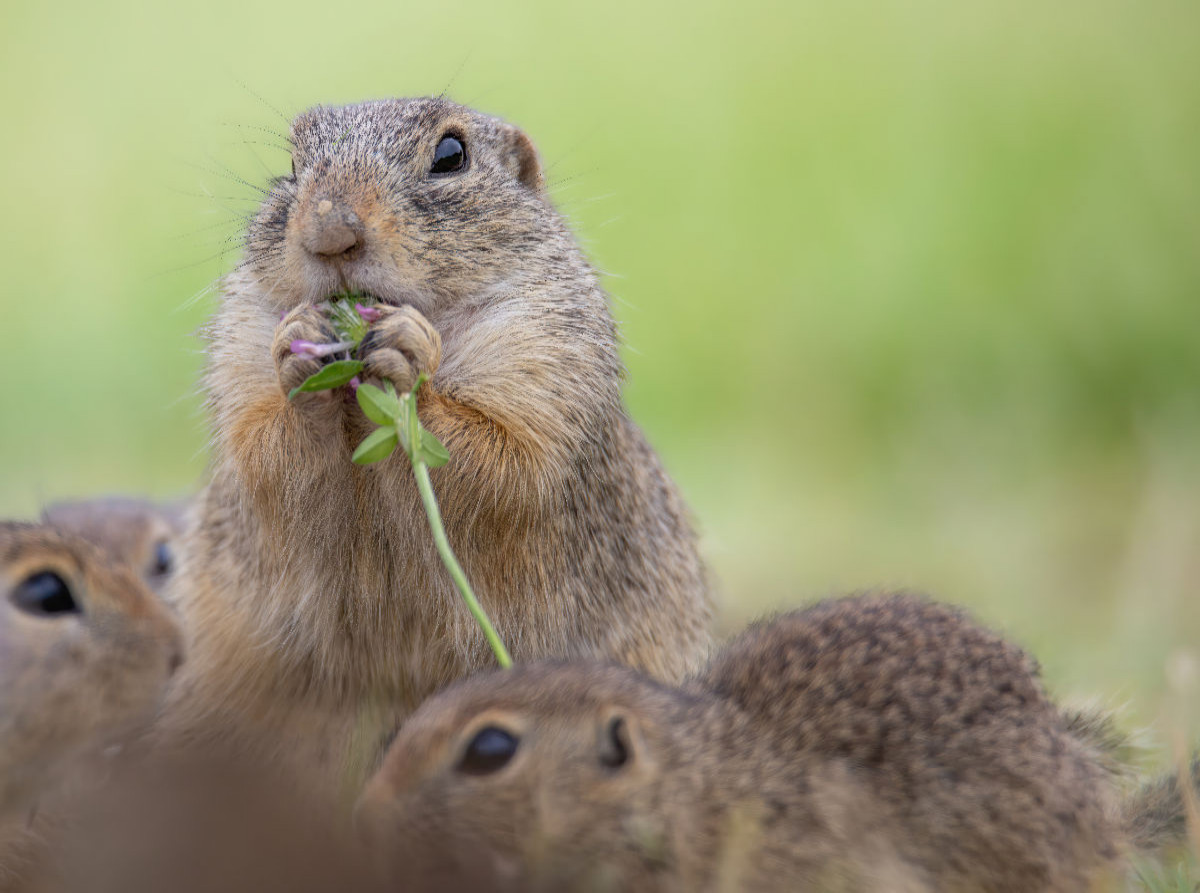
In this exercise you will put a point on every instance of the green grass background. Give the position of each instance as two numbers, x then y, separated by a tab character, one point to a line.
911	290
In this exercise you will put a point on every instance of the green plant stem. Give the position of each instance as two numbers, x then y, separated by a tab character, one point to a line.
421	471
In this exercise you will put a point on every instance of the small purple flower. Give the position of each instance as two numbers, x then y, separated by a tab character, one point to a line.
369	314
354	383
320	350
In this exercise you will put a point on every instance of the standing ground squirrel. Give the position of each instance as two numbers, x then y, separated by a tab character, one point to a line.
882	742
85	653
141	533
310	585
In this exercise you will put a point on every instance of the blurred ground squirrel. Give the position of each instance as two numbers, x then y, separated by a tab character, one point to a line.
85	653
143	534
310	585
189	823
875	743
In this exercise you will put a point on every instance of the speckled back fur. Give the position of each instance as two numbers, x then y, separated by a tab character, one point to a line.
927	705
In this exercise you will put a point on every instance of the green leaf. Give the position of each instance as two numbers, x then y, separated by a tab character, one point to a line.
432	452
376	446
380	407
332	375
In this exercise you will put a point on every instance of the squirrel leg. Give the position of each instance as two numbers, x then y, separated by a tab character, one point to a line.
304	323
400	346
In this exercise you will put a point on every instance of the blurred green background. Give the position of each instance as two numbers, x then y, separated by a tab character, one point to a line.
911	290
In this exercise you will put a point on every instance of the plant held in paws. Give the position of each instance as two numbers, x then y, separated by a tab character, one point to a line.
396	416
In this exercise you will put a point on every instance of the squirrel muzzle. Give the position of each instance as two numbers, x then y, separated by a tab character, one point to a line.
330	228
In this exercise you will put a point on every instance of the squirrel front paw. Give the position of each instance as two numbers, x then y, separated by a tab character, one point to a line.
304	323
400	345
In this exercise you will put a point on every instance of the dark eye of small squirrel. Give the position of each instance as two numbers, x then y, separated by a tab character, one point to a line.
489	751
163	560
44	593
449	156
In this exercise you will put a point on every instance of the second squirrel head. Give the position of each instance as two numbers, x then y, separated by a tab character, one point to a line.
542	771
86	651
409	200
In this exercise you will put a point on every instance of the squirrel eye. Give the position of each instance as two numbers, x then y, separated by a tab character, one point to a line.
44	593
164	561
489	751
448	157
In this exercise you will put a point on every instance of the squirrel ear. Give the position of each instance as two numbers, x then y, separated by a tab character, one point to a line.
522	158
620	742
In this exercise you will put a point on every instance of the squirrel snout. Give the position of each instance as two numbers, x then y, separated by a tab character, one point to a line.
330	228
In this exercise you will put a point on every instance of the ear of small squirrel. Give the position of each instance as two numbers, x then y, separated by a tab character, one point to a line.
618	741
522	158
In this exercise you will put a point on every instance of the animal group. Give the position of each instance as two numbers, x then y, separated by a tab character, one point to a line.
276	686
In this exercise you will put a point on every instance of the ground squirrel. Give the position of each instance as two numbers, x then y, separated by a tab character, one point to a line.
197	824
85	653
882	742
141	533
310	585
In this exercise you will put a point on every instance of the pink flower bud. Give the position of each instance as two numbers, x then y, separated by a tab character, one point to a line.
302	346
369	314
354	383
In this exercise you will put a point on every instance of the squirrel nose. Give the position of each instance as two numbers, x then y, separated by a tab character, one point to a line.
331	229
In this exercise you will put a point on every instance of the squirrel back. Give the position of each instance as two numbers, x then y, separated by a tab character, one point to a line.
934	711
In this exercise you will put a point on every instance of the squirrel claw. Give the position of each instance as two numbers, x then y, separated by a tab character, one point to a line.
295	349
401	345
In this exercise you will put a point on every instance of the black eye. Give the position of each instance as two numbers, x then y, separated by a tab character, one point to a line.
489	751
163	560
44	593
448	157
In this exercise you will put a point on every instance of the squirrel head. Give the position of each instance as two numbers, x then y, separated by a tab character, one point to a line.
85	653
142	534
540	768
410	200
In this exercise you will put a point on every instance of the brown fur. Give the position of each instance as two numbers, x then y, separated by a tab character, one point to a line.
199	824
884	743
319	608
73	682
137	532
1155	815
